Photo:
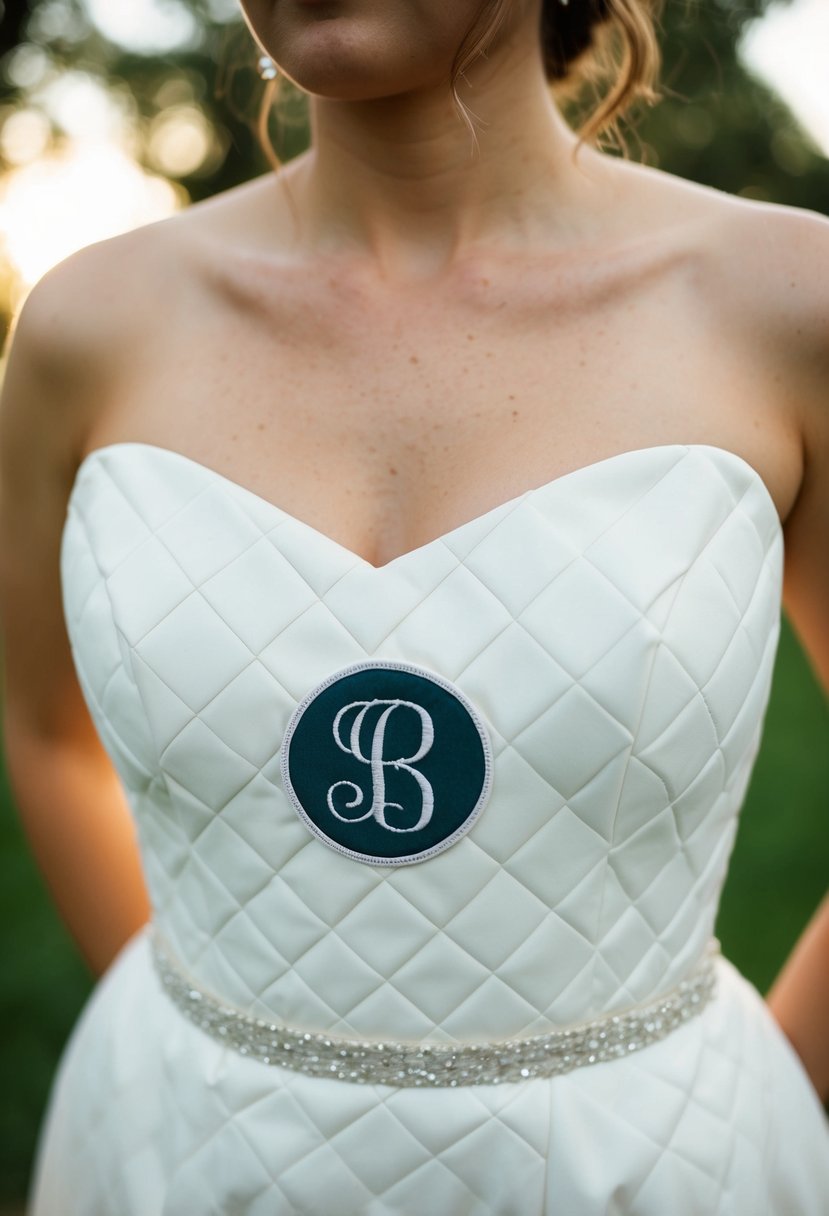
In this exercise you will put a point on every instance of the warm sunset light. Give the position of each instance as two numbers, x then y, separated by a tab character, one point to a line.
58	204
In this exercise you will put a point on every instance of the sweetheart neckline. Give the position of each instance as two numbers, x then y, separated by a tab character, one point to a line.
411	554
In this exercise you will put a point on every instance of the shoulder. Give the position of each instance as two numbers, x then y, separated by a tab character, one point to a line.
113	315
67	342
760	277
762	266
767	260
73	316
779	263
98	299
764	281
77	306
774	261
773	281
90	321
782	279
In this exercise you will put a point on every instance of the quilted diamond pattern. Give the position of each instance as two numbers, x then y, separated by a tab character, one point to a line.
718	1119
616	629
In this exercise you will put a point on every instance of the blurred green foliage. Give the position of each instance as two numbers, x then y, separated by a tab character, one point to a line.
716	125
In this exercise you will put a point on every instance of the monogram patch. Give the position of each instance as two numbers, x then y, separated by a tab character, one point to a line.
387	762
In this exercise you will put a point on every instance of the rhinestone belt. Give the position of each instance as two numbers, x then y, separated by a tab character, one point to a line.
384	1062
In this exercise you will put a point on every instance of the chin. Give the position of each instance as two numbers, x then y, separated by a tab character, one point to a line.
343	59
328	79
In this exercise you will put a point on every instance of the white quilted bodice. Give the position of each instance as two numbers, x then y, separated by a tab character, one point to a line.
615	629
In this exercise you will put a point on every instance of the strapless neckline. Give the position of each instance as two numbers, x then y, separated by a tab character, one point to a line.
573	475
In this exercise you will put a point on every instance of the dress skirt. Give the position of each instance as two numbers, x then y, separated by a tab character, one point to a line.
150	1116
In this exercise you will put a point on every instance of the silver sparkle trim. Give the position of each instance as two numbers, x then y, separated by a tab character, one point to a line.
382	1062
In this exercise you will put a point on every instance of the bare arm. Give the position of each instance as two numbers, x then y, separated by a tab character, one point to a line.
799	997
70	800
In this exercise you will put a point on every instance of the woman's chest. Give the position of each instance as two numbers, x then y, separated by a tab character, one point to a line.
383	415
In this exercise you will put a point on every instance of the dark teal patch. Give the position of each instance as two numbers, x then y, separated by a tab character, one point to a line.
387	762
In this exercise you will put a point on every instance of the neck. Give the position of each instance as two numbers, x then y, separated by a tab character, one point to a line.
403	180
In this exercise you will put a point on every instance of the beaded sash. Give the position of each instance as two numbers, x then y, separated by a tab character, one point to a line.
385	1062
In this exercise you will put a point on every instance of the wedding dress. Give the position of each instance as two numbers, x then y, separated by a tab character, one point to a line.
484	792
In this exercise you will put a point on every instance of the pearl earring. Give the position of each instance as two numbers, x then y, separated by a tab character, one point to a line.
267	68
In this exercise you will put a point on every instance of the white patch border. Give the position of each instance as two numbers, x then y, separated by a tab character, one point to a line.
436	678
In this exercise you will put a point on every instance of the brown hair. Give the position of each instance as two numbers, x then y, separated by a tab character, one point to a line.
583	42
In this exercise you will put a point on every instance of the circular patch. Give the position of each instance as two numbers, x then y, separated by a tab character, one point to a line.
387	762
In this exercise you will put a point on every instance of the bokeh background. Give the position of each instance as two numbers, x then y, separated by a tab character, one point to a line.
115	113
